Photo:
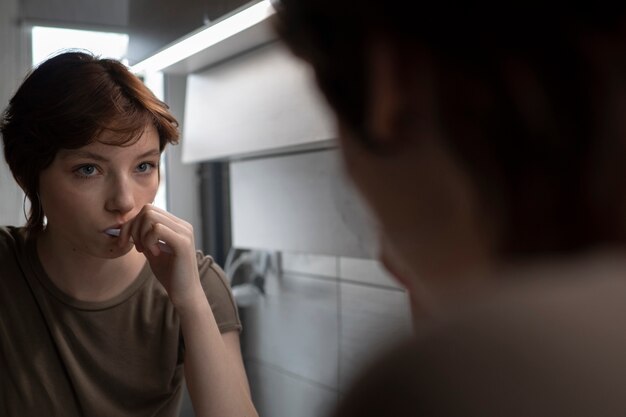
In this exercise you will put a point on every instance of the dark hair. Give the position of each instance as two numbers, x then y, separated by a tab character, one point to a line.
67	102
553	169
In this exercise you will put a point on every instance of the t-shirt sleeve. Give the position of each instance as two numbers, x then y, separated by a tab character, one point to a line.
217	289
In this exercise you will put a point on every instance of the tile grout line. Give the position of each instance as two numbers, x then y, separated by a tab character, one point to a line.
339	279
339	326
290	374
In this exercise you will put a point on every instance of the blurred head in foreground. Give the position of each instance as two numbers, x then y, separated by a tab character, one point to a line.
479	135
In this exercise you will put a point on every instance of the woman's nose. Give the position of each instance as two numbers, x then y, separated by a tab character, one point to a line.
120	195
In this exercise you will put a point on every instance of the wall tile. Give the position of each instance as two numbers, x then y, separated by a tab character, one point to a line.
295	328
277	394
371	320
367	271
309	264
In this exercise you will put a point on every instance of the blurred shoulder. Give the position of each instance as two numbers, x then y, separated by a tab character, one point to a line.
551	343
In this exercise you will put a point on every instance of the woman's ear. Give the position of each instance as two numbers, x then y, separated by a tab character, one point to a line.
400	94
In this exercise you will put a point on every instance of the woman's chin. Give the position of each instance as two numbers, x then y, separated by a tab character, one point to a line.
116	251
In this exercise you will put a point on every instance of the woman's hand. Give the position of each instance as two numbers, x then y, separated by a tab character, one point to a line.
168	244
214	369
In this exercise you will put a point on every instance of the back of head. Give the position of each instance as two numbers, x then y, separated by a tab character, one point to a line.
67	102
529	98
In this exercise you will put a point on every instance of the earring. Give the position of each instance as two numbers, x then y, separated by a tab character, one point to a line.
40	210
24	208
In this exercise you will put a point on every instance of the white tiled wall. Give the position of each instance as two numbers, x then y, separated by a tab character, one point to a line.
331	307
366	271
371	319
317	265
295	327
322	319
278	393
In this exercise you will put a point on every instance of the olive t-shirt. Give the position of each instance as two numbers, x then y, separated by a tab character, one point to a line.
64	357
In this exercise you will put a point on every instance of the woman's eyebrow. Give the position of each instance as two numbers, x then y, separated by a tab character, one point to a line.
91	155
82	154
152	152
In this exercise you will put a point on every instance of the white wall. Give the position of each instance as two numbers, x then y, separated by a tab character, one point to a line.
319	322
299	203
183	181
14	57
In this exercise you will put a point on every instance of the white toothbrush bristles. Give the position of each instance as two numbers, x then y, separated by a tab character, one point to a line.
162	245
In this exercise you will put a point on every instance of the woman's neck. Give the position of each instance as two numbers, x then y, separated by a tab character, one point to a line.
83	276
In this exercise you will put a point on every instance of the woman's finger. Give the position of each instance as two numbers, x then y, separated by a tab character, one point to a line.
146	225
161	238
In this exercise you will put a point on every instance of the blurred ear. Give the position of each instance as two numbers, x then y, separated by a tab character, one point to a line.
398	100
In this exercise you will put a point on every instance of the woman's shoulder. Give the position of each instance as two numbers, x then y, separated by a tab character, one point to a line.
208	268
216	286
212	276
13	257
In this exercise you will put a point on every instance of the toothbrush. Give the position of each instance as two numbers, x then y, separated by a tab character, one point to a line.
162	245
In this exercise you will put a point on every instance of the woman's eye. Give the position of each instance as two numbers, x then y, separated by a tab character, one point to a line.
145	167
86	170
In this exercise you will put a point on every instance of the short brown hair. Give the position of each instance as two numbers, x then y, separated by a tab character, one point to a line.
67	102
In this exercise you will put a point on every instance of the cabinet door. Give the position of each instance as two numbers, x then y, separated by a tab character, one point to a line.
263	101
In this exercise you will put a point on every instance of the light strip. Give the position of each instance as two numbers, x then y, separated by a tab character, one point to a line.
205	38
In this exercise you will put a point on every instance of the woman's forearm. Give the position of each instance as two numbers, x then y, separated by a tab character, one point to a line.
216	384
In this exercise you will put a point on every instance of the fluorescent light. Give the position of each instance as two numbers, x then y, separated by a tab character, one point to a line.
207	37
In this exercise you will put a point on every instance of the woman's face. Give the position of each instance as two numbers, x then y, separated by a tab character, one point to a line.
88	190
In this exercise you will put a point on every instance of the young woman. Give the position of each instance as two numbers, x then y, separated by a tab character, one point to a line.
106	306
